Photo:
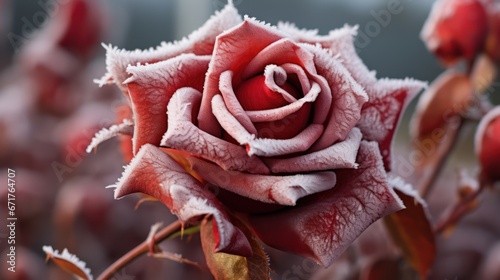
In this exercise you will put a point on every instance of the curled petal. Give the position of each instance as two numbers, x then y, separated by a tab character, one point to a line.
277	53
321	226
264	146
347	98
151	87
154	173
182	134
200	42
339	155
284	190
340	42
275	77
232	103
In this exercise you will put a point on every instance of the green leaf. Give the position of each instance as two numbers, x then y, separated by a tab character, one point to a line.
226	266
411	230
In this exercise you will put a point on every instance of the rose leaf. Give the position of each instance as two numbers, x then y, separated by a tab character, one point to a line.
227	266
411	229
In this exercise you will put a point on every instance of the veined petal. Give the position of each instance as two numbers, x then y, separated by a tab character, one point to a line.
182	134
284	190
154	173
380	115
323	225
151	87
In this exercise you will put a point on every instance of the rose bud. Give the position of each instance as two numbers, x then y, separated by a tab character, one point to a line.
447	98
270	118
456	29
487	143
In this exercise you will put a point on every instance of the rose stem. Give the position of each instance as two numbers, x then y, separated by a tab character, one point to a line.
459	211
438	163
139	250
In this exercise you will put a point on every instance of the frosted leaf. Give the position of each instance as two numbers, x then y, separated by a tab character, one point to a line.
68	262
126	127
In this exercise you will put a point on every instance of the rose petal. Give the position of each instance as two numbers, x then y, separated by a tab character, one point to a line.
339	155
348	98
200	42
279	52
233	48
275	77
264	146
154	173
284	190
341	42
151	87
232	103
282	112
182	134
380	115
323	225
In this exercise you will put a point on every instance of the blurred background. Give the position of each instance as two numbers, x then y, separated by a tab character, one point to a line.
50	109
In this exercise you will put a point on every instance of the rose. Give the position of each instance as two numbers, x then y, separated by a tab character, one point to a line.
266	116
456	29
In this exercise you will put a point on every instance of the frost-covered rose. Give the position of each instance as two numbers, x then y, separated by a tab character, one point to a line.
287	126
456	29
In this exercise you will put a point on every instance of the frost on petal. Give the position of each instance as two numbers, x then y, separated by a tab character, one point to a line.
182	134
151	87
348	97
380	115
154	173
339	155
284	190
233	50
340	42
323	225
200	42
68	262
125	128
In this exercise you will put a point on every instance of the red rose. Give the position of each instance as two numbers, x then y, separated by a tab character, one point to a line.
265	115
487	141
456	29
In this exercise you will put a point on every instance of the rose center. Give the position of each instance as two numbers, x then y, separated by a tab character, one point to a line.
254	95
